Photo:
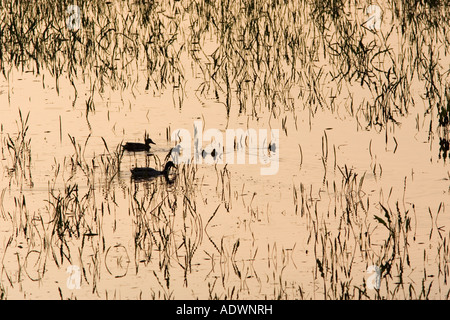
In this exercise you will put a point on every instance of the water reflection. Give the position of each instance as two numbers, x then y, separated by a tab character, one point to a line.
367	193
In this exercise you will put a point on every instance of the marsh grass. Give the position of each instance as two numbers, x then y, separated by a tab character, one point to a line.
266	54
285	60
19	150
110	163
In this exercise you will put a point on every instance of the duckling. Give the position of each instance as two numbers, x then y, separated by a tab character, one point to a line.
136	146
149	173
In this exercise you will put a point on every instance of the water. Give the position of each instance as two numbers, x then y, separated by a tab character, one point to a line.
227	231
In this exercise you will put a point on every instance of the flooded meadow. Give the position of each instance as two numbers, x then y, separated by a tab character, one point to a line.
309	143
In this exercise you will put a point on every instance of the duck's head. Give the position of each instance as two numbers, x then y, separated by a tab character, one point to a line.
170	171
169	165
148	141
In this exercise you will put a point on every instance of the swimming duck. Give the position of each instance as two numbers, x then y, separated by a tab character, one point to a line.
136	146
205	153
149	173
272	147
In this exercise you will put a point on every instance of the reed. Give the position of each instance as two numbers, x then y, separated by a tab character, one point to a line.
19	149
287	63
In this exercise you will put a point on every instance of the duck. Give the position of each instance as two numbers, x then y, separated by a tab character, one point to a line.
205	153
272	147
143	173
137	146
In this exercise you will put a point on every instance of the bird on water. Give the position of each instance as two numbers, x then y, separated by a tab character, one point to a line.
137	146
141	173
205	153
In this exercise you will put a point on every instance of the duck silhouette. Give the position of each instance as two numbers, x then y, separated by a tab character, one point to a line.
205	153
146	173
137	146
272	147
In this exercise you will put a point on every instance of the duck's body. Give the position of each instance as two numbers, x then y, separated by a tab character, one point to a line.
144	172
136	146
149	173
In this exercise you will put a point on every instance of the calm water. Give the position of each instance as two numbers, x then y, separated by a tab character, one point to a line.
228	232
